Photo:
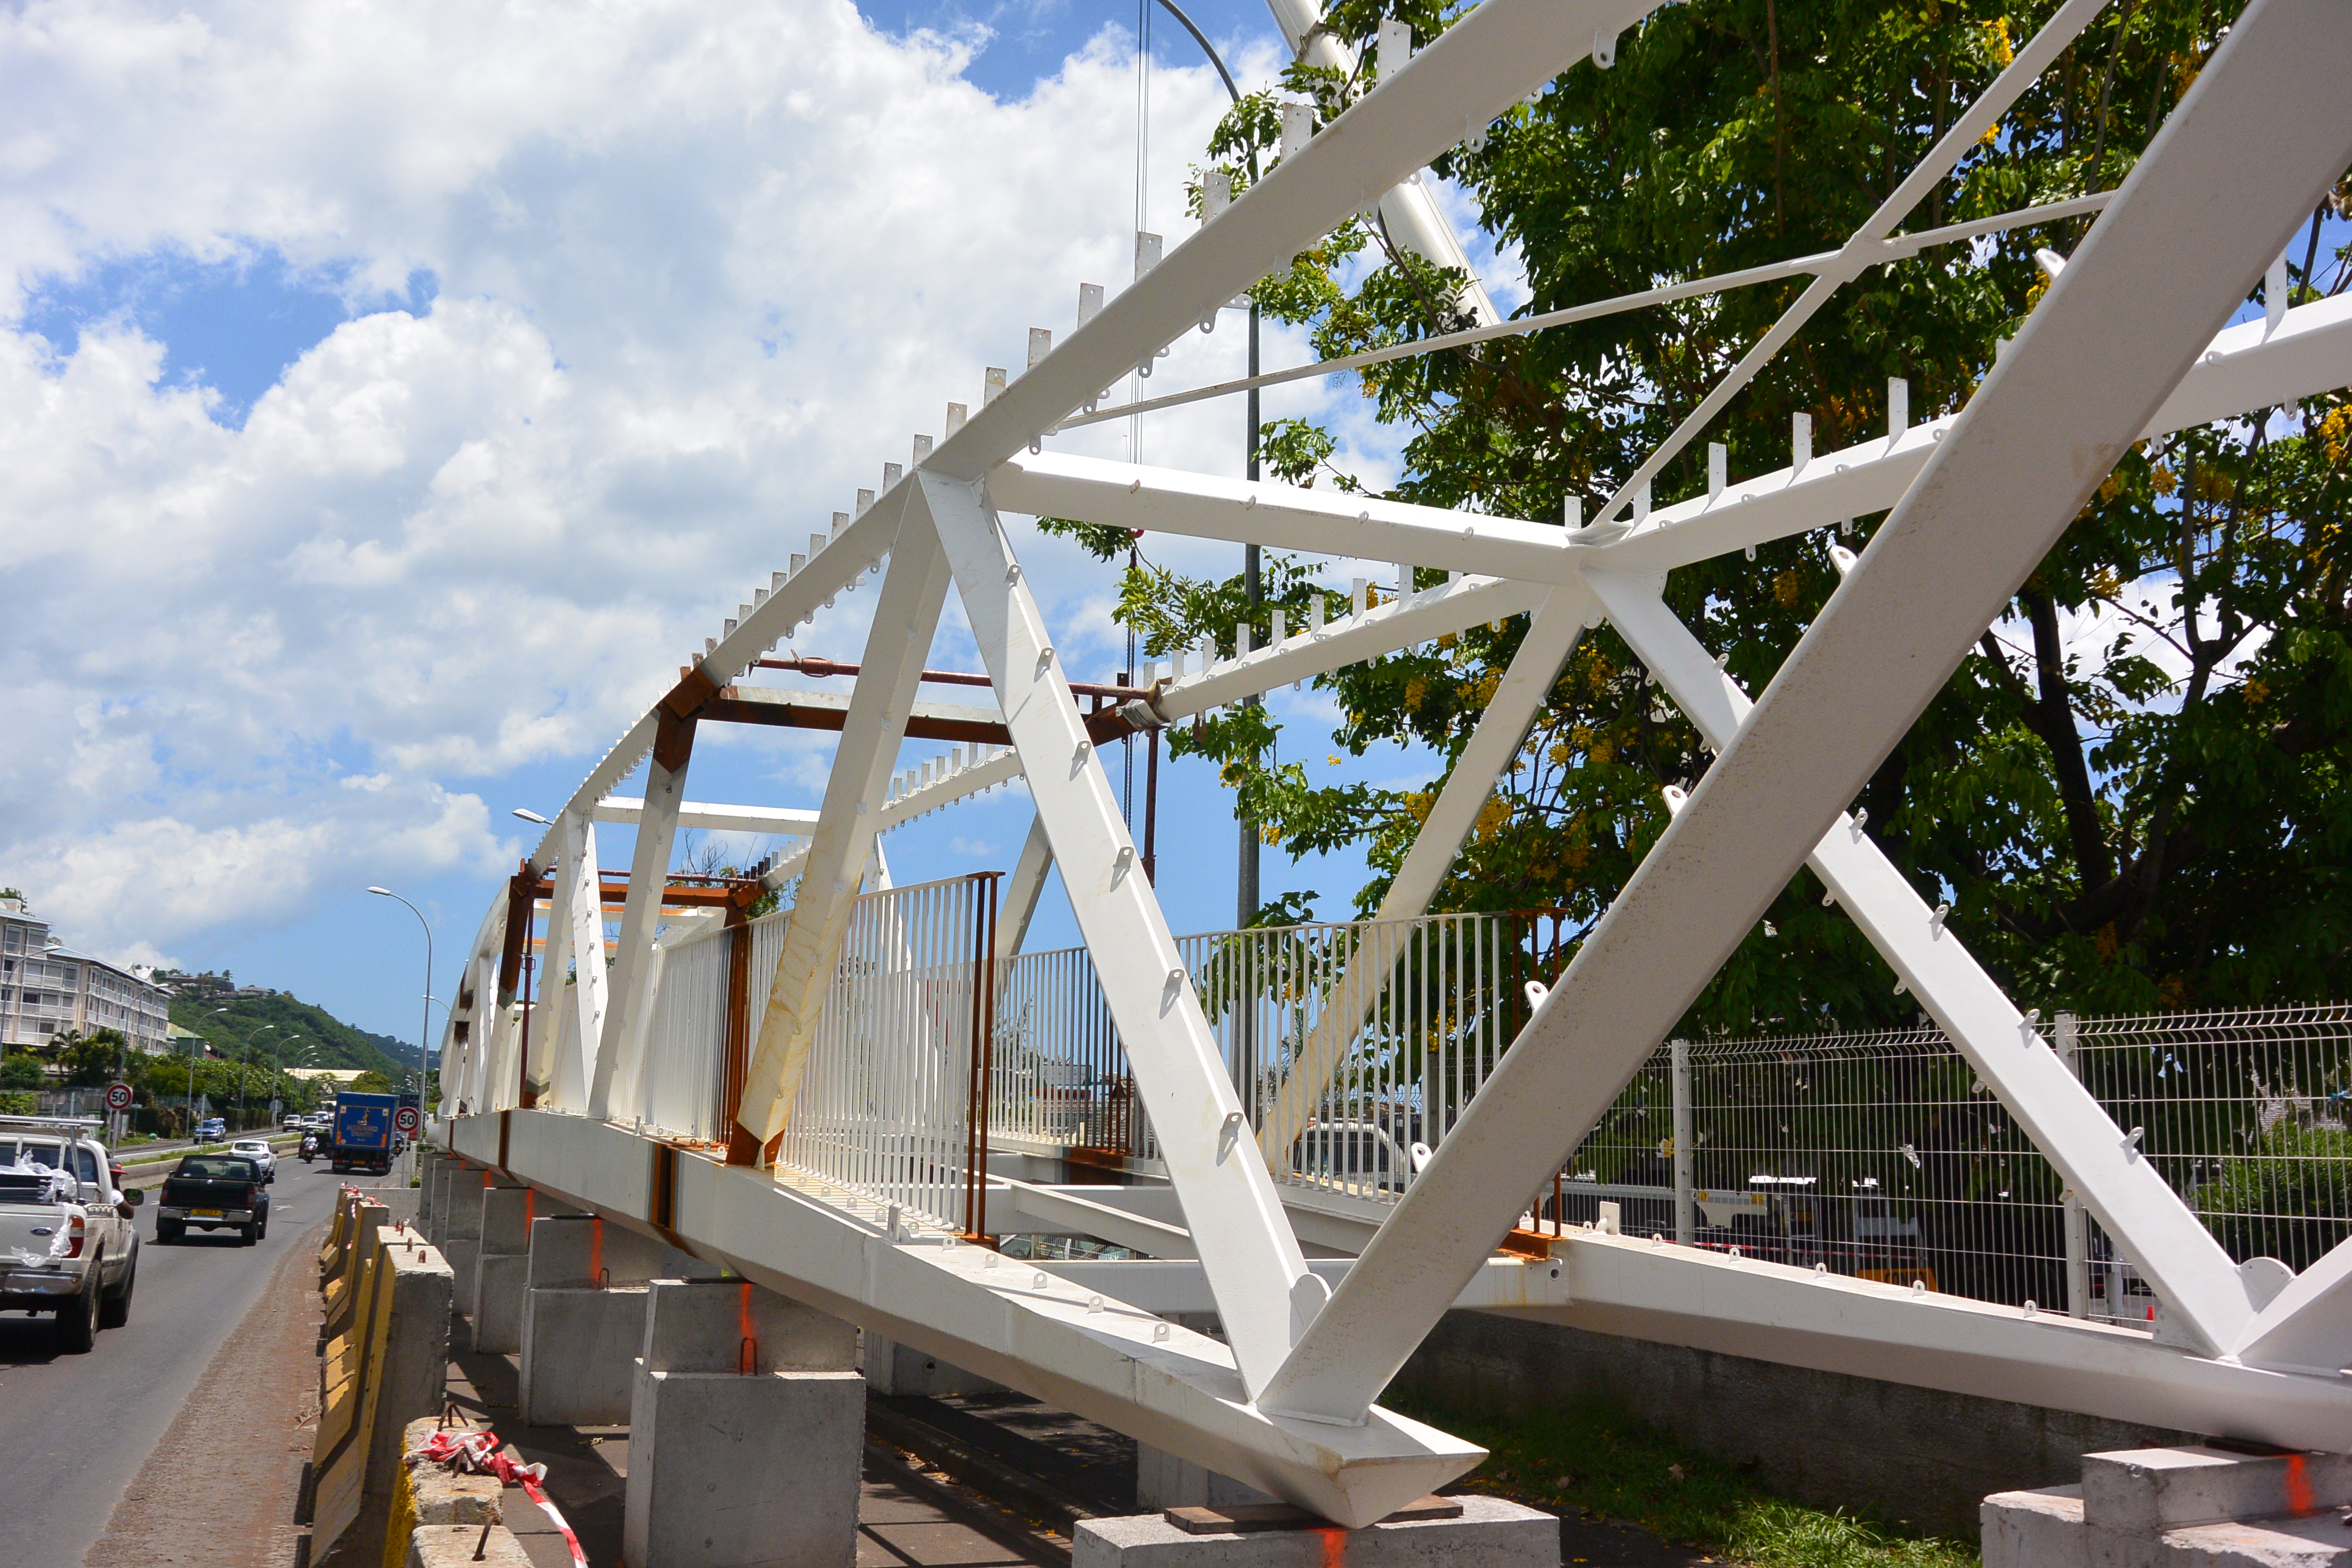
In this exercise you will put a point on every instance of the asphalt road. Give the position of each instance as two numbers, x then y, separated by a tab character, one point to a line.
74	1429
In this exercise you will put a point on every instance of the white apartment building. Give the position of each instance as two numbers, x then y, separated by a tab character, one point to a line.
47	989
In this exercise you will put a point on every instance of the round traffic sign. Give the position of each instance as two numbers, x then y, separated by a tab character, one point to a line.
118	1096
406	1120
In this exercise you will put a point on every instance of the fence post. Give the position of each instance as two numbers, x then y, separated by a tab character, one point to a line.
1686	1232
2078	1229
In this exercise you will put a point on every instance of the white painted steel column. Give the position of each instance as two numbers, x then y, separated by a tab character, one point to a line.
1264	1292
2245	157
1023	889
620	1051
2092	1157
579	886
904	622
1519	695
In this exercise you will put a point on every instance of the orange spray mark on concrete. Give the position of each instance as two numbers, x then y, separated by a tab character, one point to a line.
750	1341
2298	1486
530	1196
486	1178
596	1252
1335	1547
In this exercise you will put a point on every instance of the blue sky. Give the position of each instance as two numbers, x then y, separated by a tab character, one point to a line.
396	395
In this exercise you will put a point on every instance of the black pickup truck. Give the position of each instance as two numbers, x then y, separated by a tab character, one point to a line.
214	1191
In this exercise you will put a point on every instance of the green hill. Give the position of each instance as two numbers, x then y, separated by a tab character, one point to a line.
229	1021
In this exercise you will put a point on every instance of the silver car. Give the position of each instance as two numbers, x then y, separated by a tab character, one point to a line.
258	1151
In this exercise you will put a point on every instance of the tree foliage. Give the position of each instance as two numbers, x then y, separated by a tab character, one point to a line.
2132	793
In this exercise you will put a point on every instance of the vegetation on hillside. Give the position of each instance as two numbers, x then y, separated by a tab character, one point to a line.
301	1034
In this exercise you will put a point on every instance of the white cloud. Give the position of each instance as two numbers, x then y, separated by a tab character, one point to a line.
701	272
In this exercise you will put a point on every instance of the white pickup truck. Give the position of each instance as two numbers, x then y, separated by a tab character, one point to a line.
67	1244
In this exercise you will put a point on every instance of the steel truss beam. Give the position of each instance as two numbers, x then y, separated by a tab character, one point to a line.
2244	369
2191	231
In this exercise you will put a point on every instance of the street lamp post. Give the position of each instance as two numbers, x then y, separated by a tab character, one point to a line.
424	1029
244	1070
1245	889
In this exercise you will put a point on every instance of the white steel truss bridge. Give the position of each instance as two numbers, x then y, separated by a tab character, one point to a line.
808	1097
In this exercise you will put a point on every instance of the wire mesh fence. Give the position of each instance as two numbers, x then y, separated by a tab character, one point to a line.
1355	1048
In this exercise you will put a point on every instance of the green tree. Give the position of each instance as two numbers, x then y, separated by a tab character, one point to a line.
2152	812
371	1083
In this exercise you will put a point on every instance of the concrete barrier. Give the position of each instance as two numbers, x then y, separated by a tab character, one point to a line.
384	1371
746	1427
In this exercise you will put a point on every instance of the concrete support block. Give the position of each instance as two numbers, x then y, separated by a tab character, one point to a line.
580	1351
2142	1491
2187	1507
446	1174
893	1368
573	1250
499	1285
507	1216
701	1325
1490	1533
746	1429
2318	1541
463	1253
1164	1481
2038	1529
747	1472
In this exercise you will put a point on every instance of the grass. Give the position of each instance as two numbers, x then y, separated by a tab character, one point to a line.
1593	1456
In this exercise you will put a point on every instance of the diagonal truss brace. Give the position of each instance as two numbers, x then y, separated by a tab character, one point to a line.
1519	698
1264	1293
913	590
2185	239
2164	1241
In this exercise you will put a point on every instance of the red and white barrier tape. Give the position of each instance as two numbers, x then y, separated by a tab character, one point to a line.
476	1454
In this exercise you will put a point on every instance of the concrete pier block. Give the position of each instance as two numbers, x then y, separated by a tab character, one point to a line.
579	1355
1489	1533
2038	1529
893	1368
1164	1480
746	1429
501	1268
500	1282
2187	1507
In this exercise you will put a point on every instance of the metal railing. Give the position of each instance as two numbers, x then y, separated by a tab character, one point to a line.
888	1103
1351	1076
1878	1155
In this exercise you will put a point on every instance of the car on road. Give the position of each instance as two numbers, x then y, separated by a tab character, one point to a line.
214	1191
293	1122
66	1242
258	1151
212	1130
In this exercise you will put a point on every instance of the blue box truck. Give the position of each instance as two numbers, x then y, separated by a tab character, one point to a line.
363	1132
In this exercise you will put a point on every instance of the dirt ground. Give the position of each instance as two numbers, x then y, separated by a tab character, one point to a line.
219	1490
